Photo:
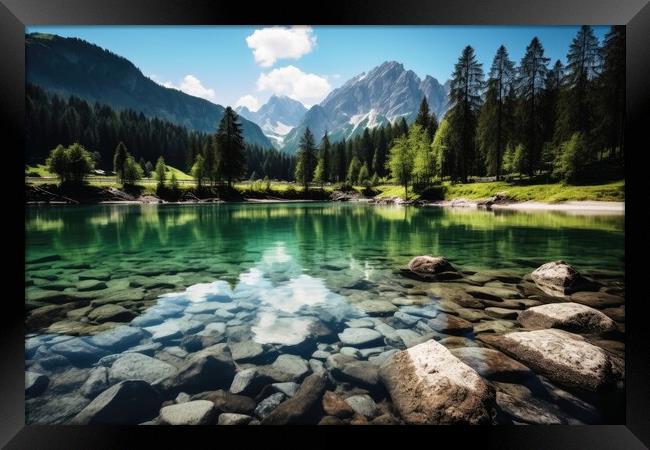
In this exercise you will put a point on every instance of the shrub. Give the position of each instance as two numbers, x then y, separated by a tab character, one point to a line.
70	164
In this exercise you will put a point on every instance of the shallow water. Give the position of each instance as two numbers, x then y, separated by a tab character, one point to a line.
269	272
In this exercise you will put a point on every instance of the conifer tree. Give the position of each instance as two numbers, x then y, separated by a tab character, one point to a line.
306	159
230	155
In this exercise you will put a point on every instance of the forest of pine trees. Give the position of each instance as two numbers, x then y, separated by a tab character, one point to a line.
533	119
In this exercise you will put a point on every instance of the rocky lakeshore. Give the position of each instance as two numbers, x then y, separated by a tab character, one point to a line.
430	343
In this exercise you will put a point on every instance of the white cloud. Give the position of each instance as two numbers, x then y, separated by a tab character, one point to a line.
273	43
190	85
249	102
307	88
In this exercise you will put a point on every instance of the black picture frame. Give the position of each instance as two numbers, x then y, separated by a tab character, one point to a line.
15	15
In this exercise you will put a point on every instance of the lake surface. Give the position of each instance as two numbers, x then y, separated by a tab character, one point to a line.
267	273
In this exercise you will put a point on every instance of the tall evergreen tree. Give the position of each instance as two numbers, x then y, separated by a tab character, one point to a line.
583	65
230	147
531	80
324	157
367	148
306	159
492	123
612	86
119	160
381	149
465	101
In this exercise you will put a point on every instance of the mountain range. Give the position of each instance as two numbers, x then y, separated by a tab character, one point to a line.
71	66
384	94
278	116
388	92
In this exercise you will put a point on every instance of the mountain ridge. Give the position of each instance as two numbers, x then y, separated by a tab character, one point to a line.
72	66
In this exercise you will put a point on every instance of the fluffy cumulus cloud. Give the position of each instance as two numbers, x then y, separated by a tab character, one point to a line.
249	102
307	88
273	43
190	85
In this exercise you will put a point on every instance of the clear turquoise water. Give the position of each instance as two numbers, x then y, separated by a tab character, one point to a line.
270	271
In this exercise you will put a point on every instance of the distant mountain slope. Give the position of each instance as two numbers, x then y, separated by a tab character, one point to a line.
276	117
385	93
71	66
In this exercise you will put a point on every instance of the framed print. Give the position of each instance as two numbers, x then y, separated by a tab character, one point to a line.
378	214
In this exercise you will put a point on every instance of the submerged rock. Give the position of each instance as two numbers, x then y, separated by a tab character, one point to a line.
141	367
197	412
360	337
333	405
429	385
35	383
266	406
568	316
563	357
234	419
304	407
128	402
119	338
111	313
363	405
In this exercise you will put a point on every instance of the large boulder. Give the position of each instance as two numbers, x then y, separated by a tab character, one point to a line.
225	402
197	412
127	403
567	316
565	358
429	385
304	407
557	278
429	268
119	338
79	351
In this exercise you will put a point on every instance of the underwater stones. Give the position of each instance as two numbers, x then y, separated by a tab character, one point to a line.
35	383
557	278
247	351
249	381
233	419
44	259
46	315
376	307
116	295
360	337
563	357
448	324
128	402
359	323
363	405
145	349
428	312
78	350
111	313
333	405
90	285
472	315
204	307
492	364
97	382
597	299
226	402
290	368
494	326
166	331
210	368
197	412
118	338
501	313
266	406
405	338
568	316
141	367
94	275
493	293
526	411
429	385
304	407
46	296
406	319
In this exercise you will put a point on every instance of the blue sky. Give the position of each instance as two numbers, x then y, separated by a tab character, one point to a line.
233	65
